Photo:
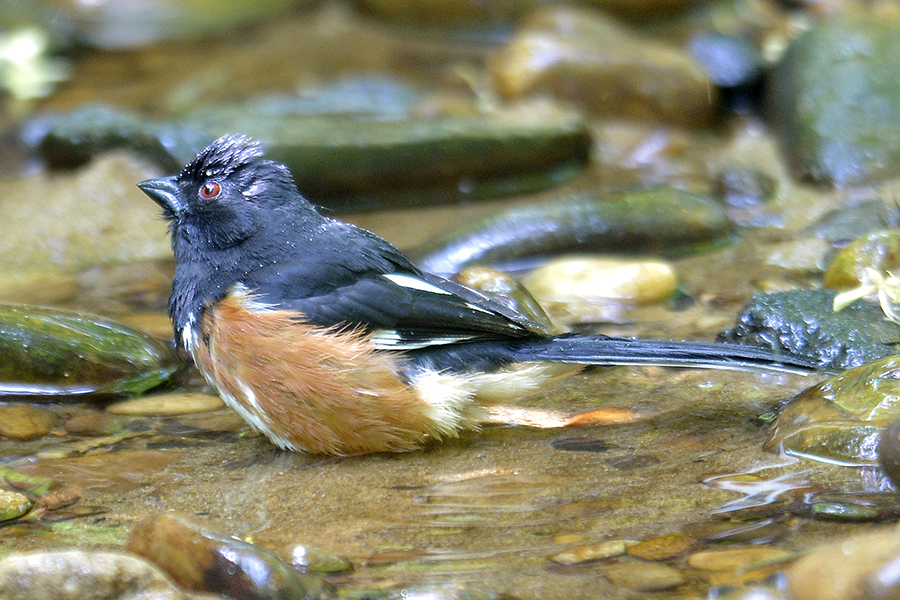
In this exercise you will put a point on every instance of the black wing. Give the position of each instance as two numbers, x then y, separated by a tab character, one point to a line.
352	277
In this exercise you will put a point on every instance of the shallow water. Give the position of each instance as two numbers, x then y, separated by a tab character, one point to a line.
663	451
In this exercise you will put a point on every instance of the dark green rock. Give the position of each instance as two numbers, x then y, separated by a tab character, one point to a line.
841	419
344	160
836	96
803	322
851	507
642	220
54	352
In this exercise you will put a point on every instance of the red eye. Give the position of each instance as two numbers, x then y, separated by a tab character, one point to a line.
210	190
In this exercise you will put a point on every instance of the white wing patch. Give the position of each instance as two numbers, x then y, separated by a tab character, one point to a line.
389	339
414	283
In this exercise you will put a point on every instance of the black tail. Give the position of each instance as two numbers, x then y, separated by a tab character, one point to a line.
605	351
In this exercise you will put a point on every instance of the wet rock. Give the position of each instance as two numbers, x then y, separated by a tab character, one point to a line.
889	451
54	352
66	223
13	505
505	289
836	94
177	403
313	559
644	577
587	288
735	559
203	560
804	322
590	552
878	250
450	13
342	160
850	507
23	422
662	547
124	23
743	187
860	567
750	531
853	219
95	424
641	220
83	575
840	420
584	58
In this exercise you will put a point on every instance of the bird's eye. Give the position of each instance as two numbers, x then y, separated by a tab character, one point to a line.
210	190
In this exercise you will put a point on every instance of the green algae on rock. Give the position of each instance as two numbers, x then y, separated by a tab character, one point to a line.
841	419
836	93
659	219
47	351
343	161
13	505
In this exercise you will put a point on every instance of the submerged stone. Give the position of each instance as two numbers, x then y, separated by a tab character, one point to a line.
655	219
841	419
586	288
23	422
504	288
804	322
836	93
587	59
176	403
47	351
88	574
201	559
862	566
345	161
13	505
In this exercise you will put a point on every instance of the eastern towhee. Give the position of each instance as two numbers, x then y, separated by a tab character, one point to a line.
326	338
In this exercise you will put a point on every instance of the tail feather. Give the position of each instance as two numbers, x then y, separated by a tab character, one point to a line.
603	350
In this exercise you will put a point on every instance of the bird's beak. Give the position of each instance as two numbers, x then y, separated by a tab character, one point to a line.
164	191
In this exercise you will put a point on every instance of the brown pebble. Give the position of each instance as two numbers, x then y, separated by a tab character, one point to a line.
732	559
644	576
589	552
662	547
178	403
95	424
23	422
201	559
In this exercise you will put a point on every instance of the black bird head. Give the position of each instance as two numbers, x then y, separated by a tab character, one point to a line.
230	212
223	196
